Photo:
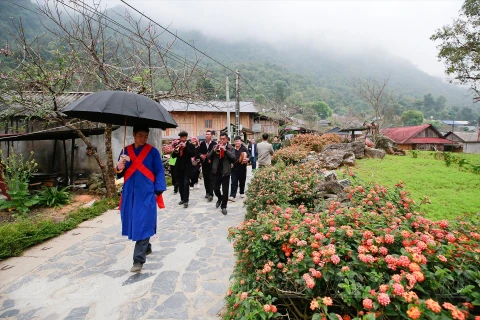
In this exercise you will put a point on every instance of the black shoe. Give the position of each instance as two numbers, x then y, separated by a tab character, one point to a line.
185	205
175	191
210	198
224	211
219	202
149	250
206	196
181	202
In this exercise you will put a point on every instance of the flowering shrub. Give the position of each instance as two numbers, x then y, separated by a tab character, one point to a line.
313	142
282	185
290	155
377	257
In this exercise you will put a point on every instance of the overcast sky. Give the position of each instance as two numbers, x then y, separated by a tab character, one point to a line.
402	27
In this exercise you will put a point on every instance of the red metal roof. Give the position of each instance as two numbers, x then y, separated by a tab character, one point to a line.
403	134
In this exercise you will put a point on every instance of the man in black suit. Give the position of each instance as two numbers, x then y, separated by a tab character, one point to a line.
253	151
184	152
205	147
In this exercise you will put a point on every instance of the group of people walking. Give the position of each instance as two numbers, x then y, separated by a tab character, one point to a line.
220	162
144	178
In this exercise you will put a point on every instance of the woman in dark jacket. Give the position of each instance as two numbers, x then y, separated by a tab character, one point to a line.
239	169
195	163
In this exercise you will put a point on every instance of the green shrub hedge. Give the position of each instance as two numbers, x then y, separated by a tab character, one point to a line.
17	236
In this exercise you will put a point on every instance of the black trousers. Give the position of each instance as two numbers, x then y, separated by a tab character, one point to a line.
195	175
140	251
183	181
253	161
238	178
207	180
174	178
220	181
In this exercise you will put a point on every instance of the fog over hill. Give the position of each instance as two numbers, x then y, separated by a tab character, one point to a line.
316	50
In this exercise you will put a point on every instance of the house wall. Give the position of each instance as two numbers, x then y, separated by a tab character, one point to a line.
48	162
471	147
196	123
269	126
427	133
404	146
428	147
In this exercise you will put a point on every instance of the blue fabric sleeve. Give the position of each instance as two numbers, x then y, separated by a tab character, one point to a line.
158	171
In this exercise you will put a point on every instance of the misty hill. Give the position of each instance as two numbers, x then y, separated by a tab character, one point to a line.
326	75
303	74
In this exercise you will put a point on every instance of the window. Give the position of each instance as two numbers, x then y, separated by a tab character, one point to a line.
208	124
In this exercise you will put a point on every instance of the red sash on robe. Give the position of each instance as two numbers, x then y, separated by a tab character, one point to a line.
137	164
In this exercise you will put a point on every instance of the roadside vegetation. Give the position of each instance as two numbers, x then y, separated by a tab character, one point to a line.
452	190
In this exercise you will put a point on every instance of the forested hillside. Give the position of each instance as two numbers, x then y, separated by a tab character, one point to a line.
296	75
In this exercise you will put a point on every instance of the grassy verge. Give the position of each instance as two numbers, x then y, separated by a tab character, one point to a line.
17	236
451	190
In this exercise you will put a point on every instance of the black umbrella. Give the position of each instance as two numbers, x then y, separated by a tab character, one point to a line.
121	108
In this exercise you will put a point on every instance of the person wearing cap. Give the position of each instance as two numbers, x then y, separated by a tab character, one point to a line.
239	169
184	151
141	166
222	156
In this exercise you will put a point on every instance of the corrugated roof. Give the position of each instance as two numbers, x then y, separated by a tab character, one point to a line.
38	98
210	106
467	136
403	134
459	122
171	105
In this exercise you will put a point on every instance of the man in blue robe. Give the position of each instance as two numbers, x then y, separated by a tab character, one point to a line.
141	166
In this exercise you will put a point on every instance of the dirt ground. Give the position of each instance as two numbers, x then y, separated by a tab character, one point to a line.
57	214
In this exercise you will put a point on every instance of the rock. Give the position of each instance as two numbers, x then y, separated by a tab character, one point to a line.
345	182
349	159
333	187
374	153
358	148
330	176
331	197
333	161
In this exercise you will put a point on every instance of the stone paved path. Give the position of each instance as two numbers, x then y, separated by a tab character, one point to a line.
84	274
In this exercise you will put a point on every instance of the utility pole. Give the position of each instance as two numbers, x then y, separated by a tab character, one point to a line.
237	104
227	88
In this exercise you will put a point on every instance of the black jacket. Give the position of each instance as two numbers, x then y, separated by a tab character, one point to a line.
237	165
250	150
184	162
228	158
204	150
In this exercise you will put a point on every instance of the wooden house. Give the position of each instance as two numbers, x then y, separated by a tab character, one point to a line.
198	117
422	137
469	142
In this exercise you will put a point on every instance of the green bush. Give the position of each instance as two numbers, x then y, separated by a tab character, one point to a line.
53	197
374	258
16	175
18	236
290	155
280	185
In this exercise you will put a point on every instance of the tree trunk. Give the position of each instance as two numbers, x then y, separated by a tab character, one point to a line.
107	170
110	173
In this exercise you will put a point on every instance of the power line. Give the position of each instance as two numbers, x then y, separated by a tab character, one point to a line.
177	58
177	37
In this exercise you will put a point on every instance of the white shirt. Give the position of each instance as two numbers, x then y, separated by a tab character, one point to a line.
253	150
